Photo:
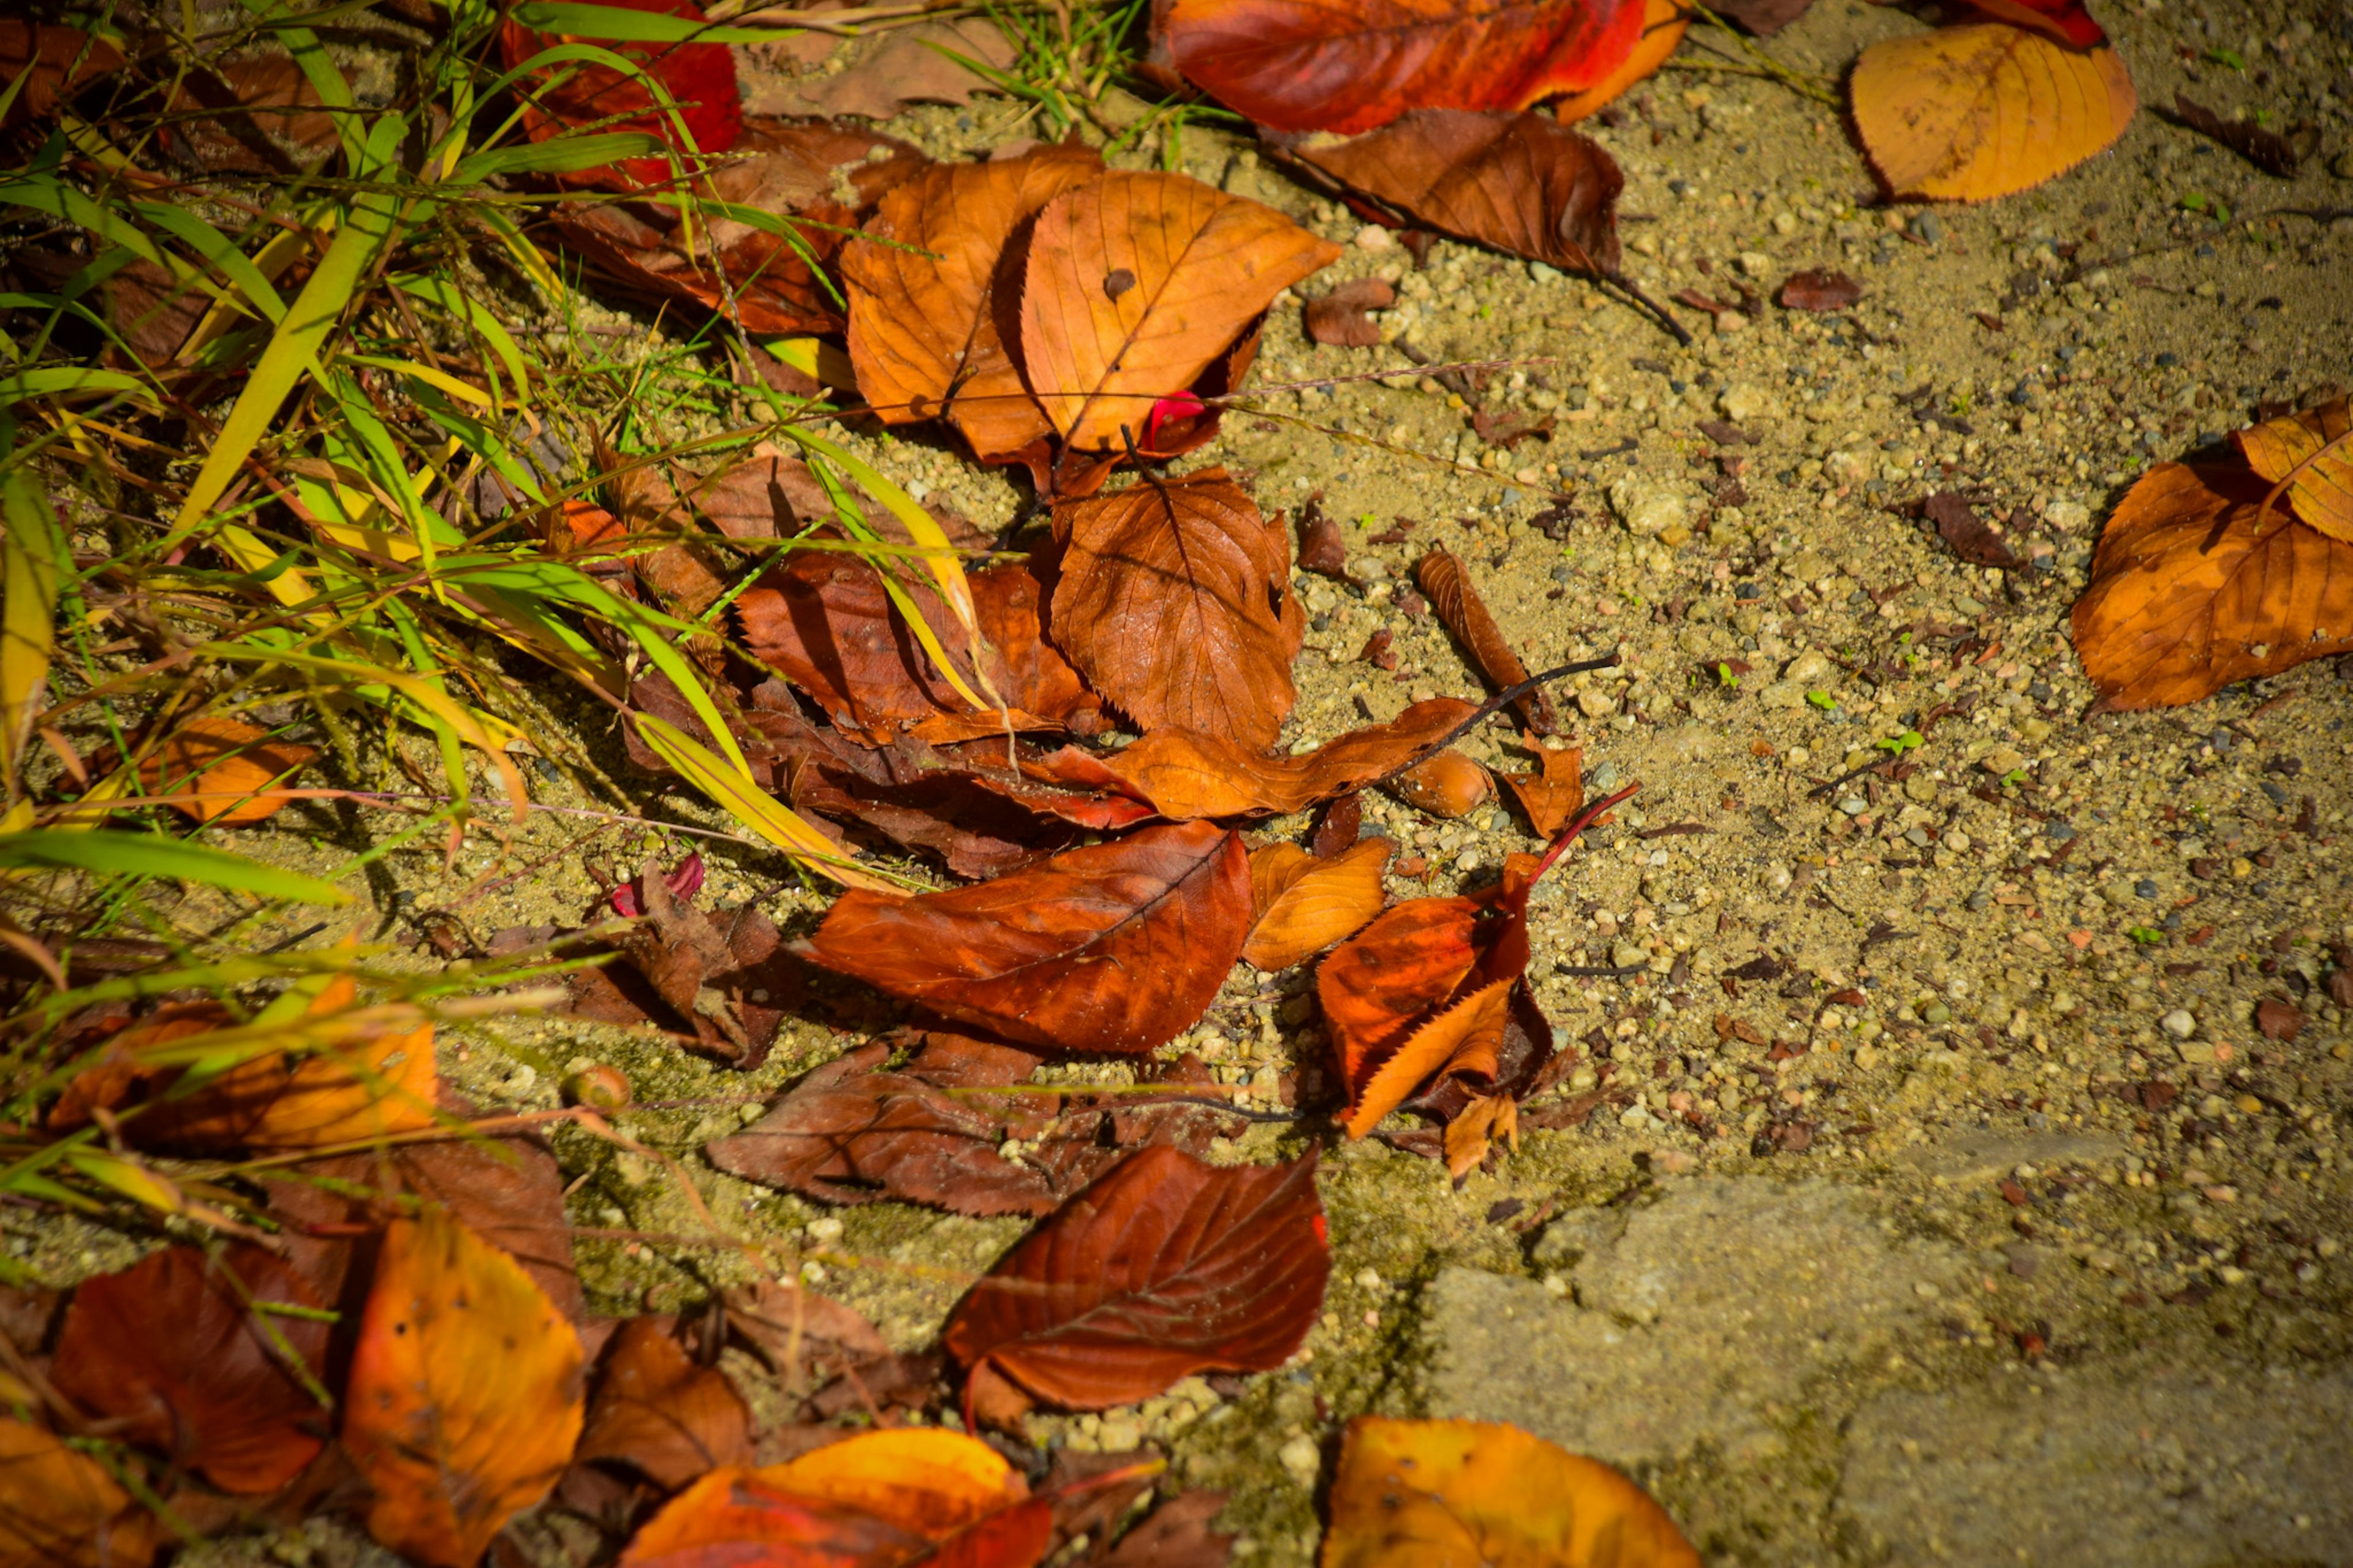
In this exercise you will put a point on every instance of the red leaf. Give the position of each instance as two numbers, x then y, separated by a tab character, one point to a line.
1114	947
699	78
2064	20
1164	1268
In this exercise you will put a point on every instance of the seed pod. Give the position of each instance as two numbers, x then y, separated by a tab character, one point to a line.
1448	785
600	1087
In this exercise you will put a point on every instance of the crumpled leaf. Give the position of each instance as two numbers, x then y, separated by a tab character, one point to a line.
1166	1267
1455	599
173	1351
1985	109
1174	602
464	1397
2188	596
1440	1494
1135	285
1296	66
933	294
699	79
1113	947
228	764
660	1414
1519	183
2320	440
1338	319
894	69
1555	792
1305	905
728	981
60	1507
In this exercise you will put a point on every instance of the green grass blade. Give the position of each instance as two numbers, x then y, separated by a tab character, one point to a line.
148	855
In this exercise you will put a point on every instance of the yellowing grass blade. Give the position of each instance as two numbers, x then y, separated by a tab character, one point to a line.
28	570
752	805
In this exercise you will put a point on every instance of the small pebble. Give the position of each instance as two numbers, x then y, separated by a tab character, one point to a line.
2179	1023
2145	888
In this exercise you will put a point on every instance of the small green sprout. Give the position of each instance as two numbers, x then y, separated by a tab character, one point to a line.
2230	57
1821	700
2013	778
1730	681
1897	745
2147	936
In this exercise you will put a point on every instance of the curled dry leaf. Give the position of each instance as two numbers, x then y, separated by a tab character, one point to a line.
1174	602
1179	1533
1819	289
1187	775
2316	448
1305	904
1463	612
1555	792
1664	22
1968	535
698	79
1296	66
2187	594
659	1413
60	1507
1464	1040
1339	319
933	294
1412	1494
1985	109
1449	784
1519	183
1135	285
877	1501
1166	1267
1323	549
2273	152
463	1401
180	1354
1114	947
54	62
227	764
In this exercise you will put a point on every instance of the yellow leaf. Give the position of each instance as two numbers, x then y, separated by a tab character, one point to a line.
1305	904
60	1509
1462	1040
1984	110
2312	453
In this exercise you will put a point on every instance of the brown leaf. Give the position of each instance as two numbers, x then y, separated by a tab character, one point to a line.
932	294
730	984
1465	1041
177	1353
1304	904
60	1507
1971	539
1163	1268
54	63
1464	614
1337	830
464	1396
1508	430
1179	1533
249	114
2279	1020
892	69
1115	947
1322	548
1203	265
2272	152
1819	289
228	764
788	1323
1763	17
1553	794
1519	183
1338	319
2314	446
660	1412
2188	595
1187	775
1175	602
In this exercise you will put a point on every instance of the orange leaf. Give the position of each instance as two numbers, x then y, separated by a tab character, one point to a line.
464	1396
2187	594
1984	110
1382	982
1135	285
1556	793
660	1412
1462	611
1449	784
1175	602
1465	1040
1462	1494
1297	66
227	763
1186	774
60	1509
1305	905
55	62
1478	1124
1664	22
927	301
2316	447
875	1500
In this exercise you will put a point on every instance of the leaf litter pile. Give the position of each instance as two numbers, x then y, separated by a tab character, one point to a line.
1083	738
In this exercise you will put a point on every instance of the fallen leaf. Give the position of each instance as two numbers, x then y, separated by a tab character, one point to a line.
876	1501
933	286
1763	17
682	881
2279	1020
1296	66
1179	1533
894	69
2316	447
1449	784
463	1401
2188	596
250	113
1419	1494
1114	947
1175	602
788	1324
53	63
1163	1268
698	79
60	1507
228	764
1985	109
1337	319
2063	21
1187	775
1508	430
1461	612
1136	284
1958	525
659	1413
1465	1039
2272	152
1664	22
1323	549
1305	905
1819	290
176	1354
1553	793
727	981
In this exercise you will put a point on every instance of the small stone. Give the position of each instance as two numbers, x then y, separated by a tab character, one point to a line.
2068	516
1936	1013
2025	1261
2002	761
1925	226
1303	1458
2145	888
1645	506
1627	955
1120	1434
2179	1023
1809	669
1595	703
1754	263
1740	400
1373	237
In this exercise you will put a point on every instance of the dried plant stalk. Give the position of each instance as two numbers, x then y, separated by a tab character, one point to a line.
1459	607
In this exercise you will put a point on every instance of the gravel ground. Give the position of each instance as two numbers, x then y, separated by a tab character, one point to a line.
1938	1157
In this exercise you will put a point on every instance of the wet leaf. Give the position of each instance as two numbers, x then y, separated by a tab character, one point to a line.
1166	1267
464	1396
1985	109
1338	319
54	62
1175	602
876	1501
1453	1494
1199	266
1114	947
1664	22
1461	610
1306	905
228	764
60	1509
698	79
659	1413
1519	183
181	1354
2316	447
933	294
2187	594
1294	65
1820	291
